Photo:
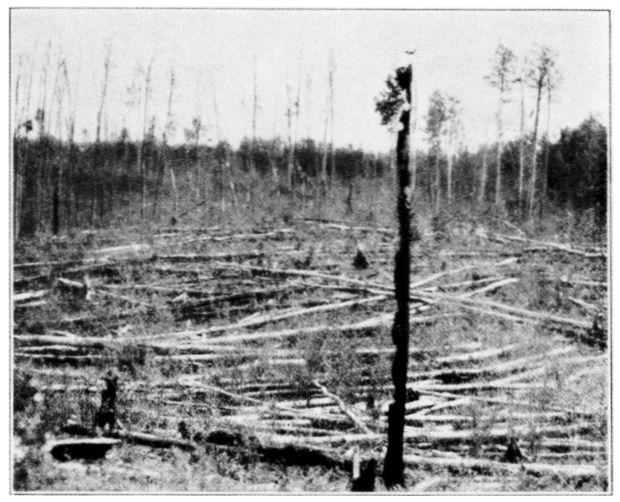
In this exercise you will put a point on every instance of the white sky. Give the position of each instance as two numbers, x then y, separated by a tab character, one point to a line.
215	49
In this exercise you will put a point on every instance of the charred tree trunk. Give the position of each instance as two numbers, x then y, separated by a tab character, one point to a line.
394	468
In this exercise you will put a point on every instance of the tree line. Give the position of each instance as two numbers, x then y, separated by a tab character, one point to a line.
66	185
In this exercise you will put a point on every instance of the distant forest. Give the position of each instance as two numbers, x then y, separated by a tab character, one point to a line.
71	185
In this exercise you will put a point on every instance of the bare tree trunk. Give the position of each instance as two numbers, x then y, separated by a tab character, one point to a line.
450	162
291	153
500	149
532	198
97	181
483	177
332	161
41	168
56	199
141	160
254	114
163	165
449	181
484	170
437	179
17	167
545	174
18	163
521	149
393	467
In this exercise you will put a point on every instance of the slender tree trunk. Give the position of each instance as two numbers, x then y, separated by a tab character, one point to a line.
254	115
532	198
545	174
500	149
163	165
175	193
141	160
483	177
449	181
71	168
521	150
291	153
332	160
393	467
56	199
20	158
324	159
450	166
437	178
97	178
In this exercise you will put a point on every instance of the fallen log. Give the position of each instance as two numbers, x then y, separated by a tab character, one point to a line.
153	440
479	355
32	304
195	257
588	284
30	295
566	471
261	321
588	308
359	423
466	302
551	245
87	448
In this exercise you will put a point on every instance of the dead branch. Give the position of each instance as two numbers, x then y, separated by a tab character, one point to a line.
345	409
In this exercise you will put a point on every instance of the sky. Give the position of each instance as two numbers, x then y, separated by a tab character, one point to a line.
215	54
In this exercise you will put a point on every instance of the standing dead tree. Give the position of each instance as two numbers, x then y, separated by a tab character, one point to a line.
327	174
521	81
483	170
97	183
60	88
141	160
435	122
537	77
396	103
163	164
453	113
501	78
553	78
393	470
